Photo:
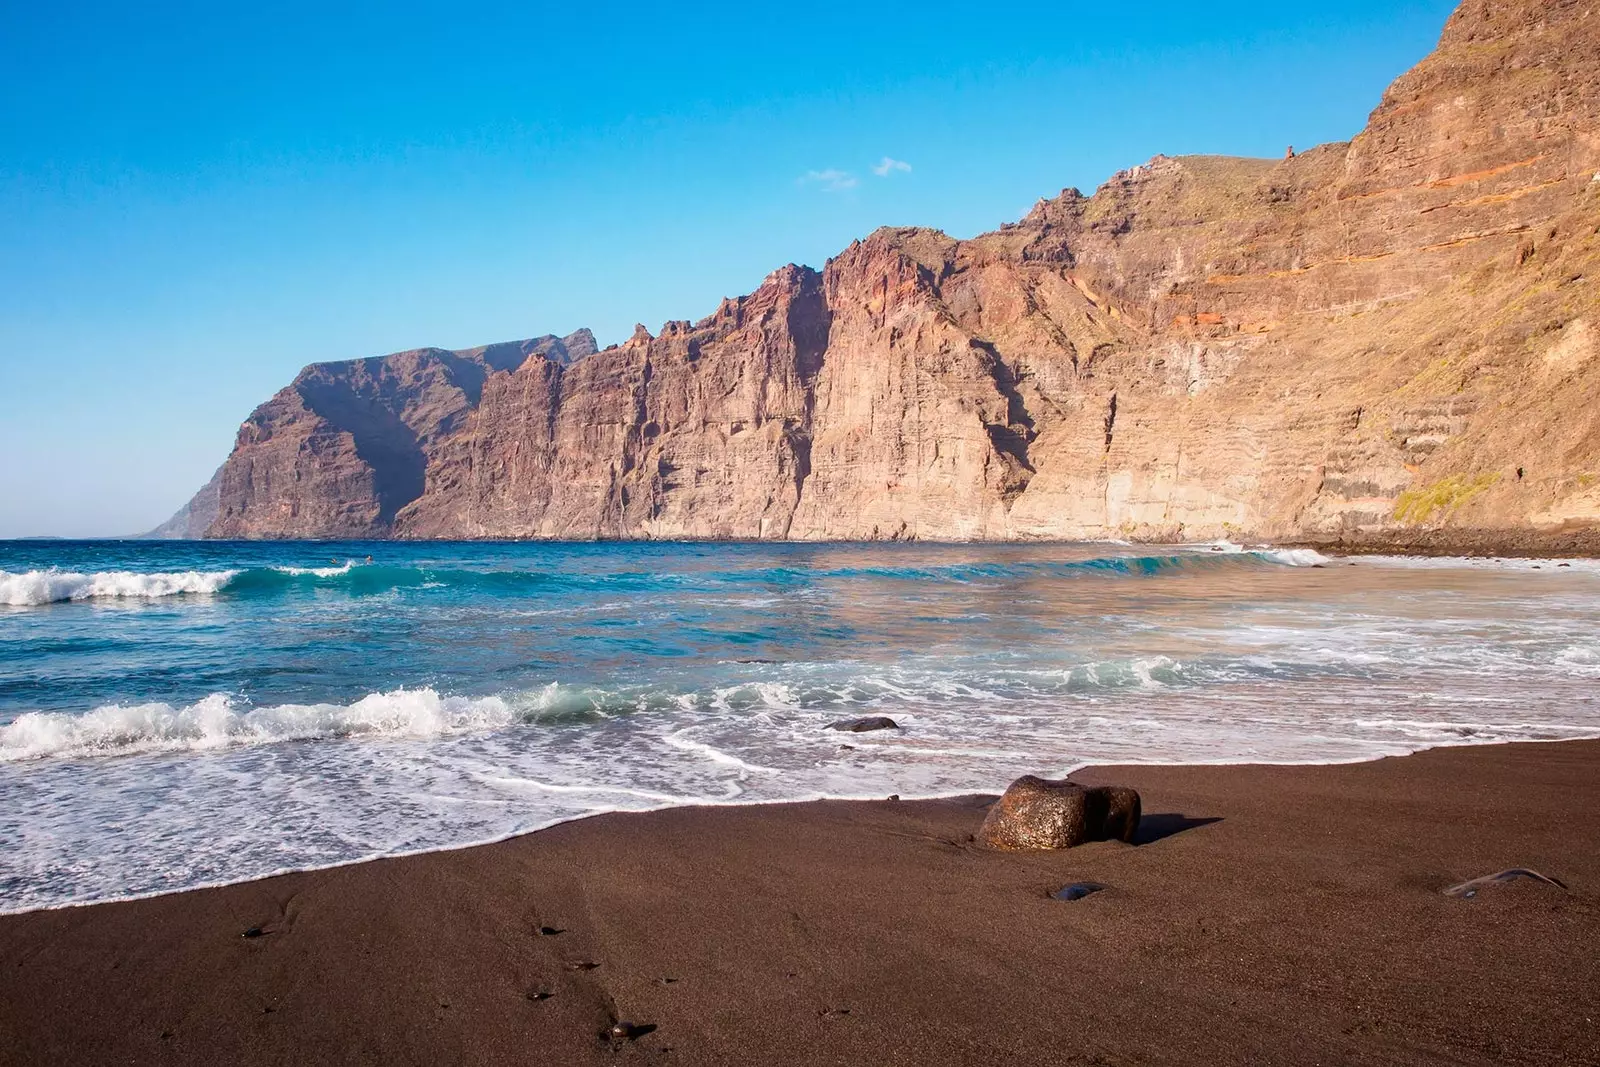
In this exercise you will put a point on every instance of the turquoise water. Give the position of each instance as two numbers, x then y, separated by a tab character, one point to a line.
181	714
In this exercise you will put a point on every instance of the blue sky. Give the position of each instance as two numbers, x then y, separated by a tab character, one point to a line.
195	203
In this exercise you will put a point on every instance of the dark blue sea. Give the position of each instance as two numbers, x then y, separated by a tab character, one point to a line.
182	714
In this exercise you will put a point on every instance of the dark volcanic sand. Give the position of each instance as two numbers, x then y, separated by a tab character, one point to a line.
1306	926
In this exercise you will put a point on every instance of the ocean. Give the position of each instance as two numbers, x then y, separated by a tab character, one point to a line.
180	714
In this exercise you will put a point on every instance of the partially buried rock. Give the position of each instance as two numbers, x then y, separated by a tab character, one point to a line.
626	1031
862	726
1076	891
1036	814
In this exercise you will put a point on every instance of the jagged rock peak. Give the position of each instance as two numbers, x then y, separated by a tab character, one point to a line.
788	276
1155	167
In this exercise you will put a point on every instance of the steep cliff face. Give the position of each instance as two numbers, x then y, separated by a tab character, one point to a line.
1395	340
342	449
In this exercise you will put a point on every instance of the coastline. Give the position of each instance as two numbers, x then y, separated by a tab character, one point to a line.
1269	913
1580	542
1568	542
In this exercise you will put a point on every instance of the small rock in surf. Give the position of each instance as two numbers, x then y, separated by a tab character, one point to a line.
862	726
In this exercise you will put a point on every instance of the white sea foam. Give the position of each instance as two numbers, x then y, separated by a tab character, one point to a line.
319	572
715	755
1291	557
216	722
1295	557
31	588
413	770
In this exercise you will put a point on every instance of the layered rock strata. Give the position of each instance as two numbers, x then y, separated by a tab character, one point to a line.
1394	341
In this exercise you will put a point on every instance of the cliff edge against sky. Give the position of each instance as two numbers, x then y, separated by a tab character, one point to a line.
1393	341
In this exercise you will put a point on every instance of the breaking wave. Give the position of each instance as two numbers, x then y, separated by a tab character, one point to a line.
54	586
219	721
215	723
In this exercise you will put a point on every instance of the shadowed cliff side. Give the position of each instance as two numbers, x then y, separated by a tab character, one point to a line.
1387	342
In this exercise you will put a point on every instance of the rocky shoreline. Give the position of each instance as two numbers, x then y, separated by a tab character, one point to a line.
1579	543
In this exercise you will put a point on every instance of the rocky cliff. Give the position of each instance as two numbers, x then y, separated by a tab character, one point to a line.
1391	341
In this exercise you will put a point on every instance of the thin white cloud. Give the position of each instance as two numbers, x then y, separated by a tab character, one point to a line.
888	165
831	180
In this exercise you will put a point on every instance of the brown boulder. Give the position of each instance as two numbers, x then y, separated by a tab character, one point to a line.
1113	813
1035	814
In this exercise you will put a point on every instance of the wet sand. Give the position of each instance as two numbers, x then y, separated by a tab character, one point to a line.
1266	915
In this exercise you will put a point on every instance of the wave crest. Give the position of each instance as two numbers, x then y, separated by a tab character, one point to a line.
55	586
52	586
218	722
214	723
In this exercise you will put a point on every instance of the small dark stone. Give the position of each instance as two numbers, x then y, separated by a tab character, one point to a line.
550	931
1563	564
668	981
1076	891
538	995
834	1013
862	726
254	931
894	796
586	965
625	1031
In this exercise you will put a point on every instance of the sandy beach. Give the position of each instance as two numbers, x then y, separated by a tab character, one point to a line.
1265	915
